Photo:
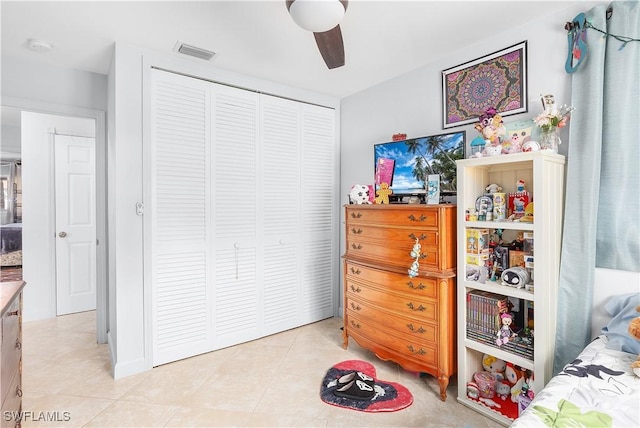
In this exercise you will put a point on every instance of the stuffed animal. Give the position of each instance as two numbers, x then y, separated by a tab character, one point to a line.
382	194
634	331
503	390
359	194
515	375
494	365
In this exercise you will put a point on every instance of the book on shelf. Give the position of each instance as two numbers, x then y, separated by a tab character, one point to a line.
484	309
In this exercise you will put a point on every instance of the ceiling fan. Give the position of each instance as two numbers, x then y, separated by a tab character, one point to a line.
322	17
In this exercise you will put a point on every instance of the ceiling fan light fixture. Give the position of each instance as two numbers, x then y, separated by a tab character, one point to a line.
317	15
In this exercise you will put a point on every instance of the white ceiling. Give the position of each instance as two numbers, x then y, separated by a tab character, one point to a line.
383	39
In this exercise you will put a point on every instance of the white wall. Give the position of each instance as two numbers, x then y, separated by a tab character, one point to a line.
38	198
60	86
412	103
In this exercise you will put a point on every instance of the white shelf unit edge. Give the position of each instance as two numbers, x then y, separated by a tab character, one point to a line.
543	173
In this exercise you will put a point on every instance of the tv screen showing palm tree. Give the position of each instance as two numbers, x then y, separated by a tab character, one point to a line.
414	159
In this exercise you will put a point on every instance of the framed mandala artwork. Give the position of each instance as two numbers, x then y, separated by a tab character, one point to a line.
497	80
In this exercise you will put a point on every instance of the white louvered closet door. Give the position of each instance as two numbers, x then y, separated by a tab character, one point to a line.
235	123
280	186
318	212
178	209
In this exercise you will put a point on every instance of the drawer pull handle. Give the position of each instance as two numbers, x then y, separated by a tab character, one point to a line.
357	290
413	308
355	307
356	215
415	330
416	351
414	237
416	287
356	247
18	344
356	231
421	218
355	271
18	391
355	324
13	313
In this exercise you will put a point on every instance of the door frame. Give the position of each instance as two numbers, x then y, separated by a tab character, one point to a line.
101	193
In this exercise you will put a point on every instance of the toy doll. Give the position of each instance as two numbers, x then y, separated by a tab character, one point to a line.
505	333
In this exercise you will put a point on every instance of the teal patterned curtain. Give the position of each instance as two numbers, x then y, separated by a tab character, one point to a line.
602	204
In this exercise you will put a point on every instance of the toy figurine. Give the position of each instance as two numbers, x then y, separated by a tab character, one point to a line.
505	333
493	188
520	186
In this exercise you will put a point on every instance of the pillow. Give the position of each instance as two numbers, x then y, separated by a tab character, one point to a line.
622	309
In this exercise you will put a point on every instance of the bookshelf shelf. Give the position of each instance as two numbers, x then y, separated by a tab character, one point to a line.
478	295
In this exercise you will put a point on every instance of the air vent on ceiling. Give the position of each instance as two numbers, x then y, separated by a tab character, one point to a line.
193	51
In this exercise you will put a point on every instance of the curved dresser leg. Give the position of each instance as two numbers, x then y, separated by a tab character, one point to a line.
444	382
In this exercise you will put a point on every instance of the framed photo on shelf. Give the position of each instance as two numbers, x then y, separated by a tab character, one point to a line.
496	80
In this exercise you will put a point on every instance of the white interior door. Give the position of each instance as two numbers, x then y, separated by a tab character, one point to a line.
75	202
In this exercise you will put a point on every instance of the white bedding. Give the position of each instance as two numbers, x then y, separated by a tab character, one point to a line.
598	389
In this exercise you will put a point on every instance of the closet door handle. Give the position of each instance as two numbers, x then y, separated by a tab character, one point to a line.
62	234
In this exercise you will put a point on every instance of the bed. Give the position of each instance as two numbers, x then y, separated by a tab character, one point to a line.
11	244
598	388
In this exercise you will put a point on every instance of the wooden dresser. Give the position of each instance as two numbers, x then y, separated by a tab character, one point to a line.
11	361
411	321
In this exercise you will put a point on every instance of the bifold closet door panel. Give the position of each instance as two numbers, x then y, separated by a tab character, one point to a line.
178	215
318	212
280	184
236	223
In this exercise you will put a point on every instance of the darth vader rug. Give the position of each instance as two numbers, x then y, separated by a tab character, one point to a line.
353	385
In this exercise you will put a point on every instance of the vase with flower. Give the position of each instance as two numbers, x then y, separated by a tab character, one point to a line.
550	121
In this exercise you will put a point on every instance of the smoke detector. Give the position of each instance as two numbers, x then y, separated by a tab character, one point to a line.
193	51
39	45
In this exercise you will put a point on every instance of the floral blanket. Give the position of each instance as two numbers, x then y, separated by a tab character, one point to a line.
597	389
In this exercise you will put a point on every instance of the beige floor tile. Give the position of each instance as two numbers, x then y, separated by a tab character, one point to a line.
271	382
130	414
198	417
62	410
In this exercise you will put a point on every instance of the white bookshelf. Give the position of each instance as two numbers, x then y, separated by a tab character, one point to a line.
543	173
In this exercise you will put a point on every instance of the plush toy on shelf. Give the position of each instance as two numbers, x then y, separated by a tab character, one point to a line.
494	365
516	376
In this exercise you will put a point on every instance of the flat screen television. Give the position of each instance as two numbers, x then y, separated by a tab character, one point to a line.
407	163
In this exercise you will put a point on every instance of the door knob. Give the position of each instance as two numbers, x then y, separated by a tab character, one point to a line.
62	234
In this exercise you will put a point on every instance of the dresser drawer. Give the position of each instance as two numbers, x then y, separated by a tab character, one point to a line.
416	329
12	404
396	253
11	346
408	306
402	216
409	347
426	237
422	287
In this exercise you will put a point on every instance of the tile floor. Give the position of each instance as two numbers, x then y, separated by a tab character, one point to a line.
271	382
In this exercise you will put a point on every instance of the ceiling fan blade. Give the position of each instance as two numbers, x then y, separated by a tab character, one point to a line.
331	47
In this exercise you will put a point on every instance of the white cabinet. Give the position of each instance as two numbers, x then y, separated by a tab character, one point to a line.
543	175
242	215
